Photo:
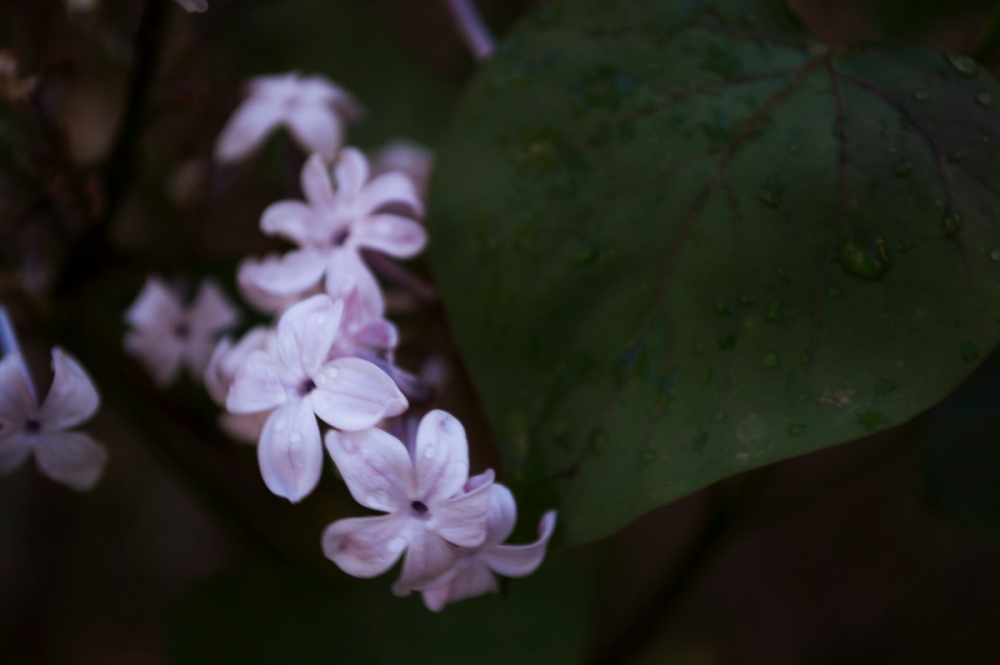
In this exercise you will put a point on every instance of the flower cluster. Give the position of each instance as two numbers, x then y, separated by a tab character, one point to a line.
328	362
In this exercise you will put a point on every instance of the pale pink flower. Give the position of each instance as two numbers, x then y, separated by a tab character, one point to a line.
226	361
412	159
362	334
313	108
70	458
472	573
194	5
165	334
421	492
333	225
301	382
262	300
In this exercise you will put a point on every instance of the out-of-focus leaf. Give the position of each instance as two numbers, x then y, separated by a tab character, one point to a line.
345	40
960	439
678	240
277	616
907	19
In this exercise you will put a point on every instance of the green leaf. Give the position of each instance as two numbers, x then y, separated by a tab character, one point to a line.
960	440
678	240
346	41
273	616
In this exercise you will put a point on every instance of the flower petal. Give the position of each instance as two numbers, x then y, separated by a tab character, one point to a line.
16	402
412	159
470	578
295	221
262	300
212	311
462	520
375	466
316	184
160	354
290	452
350	173
346	273
246	129
391	234
353	394
72	399
157	307
289	275
364	546
317	128
217	380
391	190
502	516
196	6
70	458
428	557
379	334
441	457
521	560
14	449
306	332
259	385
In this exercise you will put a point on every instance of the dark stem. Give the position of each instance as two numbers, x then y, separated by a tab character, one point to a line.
91	251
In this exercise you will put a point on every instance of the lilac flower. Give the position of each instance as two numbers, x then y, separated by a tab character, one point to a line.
331	228
412	159
362	334
313	109
226	361
194	5
472	573
70	458
299	383
166	335
421	492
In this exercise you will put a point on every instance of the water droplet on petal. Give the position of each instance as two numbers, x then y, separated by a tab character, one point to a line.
294	437
430	450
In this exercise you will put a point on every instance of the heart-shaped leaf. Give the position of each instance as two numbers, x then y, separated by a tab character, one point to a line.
679	239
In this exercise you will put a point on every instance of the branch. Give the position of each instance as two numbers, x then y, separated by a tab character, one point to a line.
91	250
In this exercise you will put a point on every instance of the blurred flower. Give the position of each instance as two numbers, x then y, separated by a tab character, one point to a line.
362	334
472	573
165	334
70	458
187	183
413	159
332	227
420	489
299	383
226	361
194	5
313	109
14	87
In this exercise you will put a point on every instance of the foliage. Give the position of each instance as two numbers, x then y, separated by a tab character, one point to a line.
679	239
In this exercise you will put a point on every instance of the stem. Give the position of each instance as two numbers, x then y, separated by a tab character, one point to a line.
91	250
472	28
9	345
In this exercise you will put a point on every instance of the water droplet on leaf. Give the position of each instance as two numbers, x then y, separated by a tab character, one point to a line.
922	95
649	457
995	255
903	169
962	63
864	255
797	429
984	99
952	222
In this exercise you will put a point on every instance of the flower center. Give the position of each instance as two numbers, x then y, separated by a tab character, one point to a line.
307	387
182	331
32	427
340	237
419	507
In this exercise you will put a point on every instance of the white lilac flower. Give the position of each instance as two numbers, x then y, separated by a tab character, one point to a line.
333	225
472	573
165	334
70	458
226	361
194	5
313	108
301	382
420	489
413	159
